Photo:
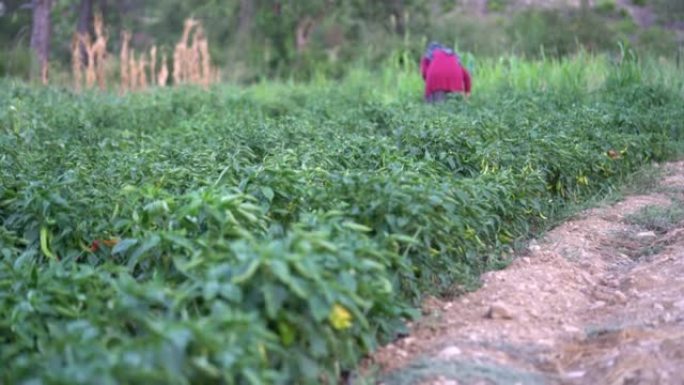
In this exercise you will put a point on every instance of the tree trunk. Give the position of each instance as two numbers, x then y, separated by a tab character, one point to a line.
40	38
245	20
584	5
306	25
303	32
84	26
398	12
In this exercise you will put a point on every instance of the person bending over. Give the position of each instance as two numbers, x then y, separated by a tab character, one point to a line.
443	73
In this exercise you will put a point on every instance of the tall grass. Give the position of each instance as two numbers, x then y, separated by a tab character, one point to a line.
576	75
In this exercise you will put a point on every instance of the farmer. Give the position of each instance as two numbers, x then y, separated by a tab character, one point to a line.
443	73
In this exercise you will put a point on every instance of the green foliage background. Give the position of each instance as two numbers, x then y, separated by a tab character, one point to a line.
345	33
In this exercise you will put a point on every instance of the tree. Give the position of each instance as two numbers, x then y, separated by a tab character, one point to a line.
245	21
289	25
397	10
41	30
84	26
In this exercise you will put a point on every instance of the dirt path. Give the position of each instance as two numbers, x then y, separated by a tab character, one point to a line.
598	300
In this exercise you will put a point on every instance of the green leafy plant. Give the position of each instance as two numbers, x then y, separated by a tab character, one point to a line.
278	233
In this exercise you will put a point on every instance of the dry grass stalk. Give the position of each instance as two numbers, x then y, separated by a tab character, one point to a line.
90	54
180	53
191	60
44	66
100	51
132	72
207	76
216	77
76	62
96	55
164	72
142	80
153	65
163	76
124	61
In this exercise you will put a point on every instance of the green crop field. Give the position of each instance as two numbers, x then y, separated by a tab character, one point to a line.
275	234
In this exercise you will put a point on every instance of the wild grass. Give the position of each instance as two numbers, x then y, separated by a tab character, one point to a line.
657	218
138	70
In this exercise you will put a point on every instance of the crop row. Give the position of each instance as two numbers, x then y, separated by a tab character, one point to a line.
230	237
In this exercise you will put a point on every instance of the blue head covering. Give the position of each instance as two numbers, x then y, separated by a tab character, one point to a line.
434	46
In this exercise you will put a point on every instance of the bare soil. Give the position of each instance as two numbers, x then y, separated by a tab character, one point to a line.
598	300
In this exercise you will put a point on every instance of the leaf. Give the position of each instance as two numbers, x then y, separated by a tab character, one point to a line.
405	238
179	241
348	281
282	271
149	244
25	257
59	200
124	245
273	299
319	347
203	364
357	227
180	337
249	217
308	367
319	307
230	292
268	193
287	333
252	377
210	290
156	207
325	245
249	271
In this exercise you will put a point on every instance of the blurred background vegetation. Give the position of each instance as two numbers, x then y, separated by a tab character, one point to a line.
254	39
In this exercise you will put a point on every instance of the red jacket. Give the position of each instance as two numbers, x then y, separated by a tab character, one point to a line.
444	73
